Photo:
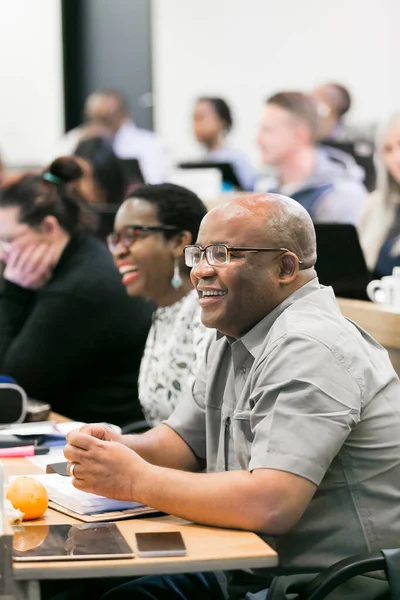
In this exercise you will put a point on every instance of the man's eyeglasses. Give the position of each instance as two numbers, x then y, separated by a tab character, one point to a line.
129	235
220	254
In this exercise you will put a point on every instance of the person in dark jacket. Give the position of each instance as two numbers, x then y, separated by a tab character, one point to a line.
69	334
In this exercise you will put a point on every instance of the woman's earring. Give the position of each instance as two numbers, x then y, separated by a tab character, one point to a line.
176	280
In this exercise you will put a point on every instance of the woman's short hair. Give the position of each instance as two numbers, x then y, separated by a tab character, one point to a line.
340	96
175	205
221	108
54	193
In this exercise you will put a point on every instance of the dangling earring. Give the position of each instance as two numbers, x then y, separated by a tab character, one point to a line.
176	280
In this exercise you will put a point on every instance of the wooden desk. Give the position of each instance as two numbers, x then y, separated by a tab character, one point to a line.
209	549
58	418
382	324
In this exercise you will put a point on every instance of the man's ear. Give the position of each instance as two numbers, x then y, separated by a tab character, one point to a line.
182	239
304	133
289	268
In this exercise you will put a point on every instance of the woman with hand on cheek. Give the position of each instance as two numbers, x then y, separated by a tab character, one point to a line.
69	334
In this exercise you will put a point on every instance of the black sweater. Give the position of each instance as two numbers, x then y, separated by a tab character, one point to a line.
78	341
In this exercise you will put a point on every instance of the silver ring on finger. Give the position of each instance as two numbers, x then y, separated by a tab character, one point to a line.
71	468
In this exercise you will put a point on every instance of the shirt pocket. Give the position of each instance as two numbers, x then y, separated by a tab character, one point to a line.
242	437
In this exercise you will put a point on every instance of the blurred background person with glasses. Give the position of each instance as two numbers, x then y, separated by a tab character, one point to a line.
107	113
152	227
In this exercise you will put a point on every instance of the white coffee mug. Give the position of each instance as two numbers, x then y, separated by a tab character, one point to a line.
386	290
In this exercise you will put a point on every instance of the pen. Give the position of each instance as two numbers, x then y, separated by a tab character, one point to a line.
22	451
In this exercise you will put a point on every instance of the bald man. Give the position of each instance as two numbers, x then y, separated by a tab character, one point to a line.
295	413
107	113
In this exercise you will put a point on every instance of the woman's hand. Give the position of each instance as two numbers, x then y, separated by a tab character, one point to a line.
29	263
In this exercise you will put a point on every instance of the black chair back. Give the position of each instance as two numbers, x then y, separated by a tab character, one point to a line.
363	153
384	560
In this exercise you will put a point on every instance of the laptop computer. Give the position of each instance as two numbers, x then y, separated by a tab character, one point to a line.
340	260
226	168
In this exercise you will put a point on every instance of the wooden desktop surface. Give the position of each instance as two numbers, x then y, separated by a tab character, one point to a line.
58	418
379	322
208	548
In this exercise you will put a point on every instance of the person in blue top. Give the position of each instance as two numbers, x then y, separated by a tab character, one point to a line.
212	122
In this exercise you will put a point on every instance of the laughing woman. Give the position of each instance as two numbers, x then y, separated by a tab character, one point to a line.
151	229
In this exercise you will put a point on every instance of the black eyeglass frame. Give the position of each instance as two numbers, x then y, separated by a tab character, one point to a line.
229	249
114	238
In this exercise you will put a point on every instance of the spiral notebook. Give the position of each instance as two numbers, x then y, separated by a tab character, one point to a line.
90	508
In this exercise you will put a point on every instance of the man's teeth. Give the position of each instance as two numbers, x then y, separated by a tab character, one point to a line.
213	294
127	269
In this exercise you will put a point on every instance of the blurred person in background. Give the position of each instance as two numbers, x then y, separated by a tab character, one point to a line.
107	112
325	181
69	335
152	227
212	122
379	228
333	102
109	182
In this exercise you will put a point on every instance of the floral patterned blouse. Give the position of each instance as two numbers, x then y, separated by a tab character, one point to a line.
174	348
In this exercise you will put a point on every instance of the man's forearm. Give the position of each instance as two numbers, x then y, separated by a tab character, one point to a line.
162	446
227	499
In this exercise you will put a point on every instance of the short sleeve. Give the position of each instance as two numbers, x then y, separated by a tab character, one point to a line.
305	404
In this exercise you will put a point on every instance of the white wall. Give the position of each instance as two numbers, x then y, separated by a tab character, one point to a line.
31	82
244	50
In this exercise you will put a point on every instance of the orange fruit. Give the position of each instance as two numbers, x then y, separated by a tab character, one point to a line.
29	496
27	538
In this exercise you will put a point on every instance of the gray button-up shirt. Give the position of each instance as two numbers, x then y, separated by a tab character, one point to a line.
308	392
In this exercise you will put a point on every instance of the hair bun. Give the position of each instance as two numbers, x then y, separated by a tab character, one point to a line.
67	168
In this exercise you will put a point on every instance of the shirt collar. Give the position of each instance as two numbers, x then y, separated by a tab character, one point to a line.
255	338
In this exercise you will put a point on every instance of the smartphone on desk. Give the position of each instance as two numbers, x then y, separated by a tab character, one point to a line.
163	543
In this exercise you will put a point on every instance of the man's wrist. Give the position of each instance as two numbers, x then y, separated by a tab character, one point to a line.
142	482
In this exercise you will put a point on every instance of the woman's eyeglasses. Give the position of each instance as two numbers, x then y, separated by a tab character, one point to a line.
129	235
220	254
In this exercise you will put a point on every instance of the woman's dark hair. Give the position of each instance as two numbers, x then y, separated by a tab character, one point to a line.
343	98
175	205
52	194
221	108
107	170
